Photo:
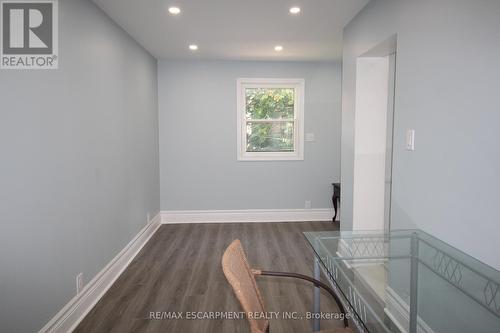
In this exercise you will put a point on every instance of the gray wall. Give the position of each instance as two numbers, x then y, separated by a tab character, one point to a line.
79	164
198	166
447	86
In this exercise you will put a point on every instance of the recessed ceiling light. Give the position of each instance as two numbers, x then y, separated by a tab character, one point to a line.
174	10
278	48
295	10
193	47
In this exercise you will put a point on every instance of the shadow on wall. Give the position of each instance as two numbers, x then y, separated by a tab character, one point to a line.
402	219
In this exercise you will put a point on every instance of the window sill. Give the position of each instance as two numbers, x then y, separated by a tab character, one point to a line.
271	157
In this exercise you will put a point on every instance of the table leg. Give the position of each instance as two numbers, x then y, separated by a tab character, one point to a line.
334	201
316	301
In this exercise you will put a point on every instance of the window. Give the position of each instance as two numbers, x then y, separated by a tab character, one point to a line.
270	119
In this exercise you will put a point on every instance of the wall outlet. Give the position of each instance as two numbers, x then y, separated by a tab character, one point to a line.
79	283
307	204
148	218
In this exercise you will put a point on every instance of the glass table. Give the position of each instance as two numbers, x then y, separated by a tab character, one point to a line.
406	281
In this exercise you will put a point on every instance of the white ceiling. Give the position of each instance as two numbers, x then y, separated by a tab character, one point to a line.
236	29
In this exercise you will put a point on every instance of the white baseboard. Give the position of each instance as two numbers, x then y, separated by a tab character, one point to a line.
77	308
245	215
399	313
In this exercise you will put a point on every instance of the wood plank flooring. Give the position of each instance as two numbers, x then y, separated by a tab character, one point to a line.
179	270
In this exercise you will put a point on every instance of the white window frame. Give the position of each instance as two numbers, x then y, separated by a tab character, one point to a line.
298	145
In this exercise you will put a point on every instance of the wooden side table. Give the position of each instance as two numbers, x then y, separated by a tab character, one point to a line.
336	199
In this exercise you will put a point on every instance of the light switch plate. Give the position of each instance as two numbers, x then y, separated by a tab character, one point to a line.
310	137
410	140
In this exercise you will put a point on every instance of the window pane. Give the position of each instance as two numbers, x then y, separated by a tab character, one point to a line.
270	137
269	103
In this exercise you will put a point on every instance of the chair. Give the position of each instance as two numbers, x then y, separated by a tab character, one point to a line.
242	279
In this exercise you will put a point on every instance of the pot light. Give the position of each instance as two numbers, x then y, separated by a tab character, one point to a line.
278	48
193	47
295	10
174	10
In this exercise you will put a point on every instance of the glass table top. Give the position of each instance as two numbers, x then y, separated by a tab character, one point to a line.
409	281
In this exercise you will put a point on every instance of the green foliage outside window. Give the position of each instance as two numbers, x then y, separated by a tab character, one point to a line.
270	104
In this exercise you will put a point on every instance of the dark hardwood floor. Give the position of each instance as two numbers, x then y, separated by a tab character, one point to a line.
179	270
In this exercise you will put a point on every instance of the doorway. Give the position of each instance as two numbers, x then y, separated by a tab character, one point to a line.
373	138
